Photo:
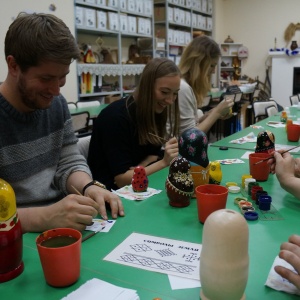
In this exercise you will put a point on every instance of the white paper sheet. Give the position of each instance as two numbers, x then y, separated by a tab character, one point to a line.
158	254
276	282
178	283
99	289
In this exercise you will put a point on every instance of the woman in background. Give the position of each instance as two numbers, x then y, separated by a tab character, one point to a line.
129	132
197	64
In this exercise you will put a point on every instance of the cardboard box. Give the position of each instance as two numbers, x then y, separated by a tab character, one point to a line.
132	24
113	21
113	3
159	13
123	23
141	25
101	2
209	23
79	15
101	19
148	7
90	18
204	6
139	7
123	4
148	27
131	5
187	18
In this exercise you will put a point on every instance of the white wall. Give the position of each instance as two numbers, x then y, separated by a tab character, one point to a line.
256	23
64	10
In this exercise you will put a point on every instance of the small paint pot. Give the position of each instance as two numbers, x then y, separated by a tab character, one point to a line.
244	203
244	178
254	189
231	183
265	202
251	215
258	194
234	189
238	199
250	185
246	208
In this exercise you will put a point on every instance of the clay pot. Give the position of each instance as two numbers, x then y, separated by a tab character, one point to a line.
224	259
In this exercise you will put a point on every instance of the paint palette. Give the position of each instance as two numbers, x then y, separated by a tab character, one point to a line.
268	215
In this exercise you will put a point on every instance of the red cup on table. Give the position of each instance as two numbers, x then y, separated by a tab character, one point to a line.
210	197
293	132
259	170
59	250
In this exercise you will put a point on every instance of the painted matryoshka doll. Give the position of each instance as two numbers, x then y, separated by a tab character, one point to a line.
179	183
139	180
215	173
193	145
11	243
265	142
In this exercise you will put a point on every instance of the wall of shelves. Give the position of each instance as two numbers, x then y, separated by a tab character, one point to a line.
177	20
230	64
119	24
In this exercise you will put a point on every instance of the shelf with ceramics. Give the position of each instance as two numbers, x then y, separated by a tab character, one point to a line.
110	69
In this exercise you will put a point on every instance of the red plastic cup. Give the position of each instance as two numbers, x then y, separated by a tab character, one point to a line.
259	171
59	250
293	132
210	197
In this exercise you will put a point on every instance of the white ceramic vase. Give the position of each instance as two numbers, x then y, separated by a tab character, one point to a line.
224	260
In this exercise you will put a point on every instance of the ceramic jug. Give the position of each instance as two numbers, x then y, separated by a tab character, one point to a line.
11	243
224	257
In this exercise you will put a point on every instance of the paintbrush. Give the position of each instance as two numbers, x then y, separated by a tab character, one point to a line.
258	162
158	137
77	192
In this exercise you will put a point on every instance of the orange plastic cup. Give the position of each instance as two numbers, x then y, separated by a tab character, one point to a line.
293	132
210	197
261	171
59	250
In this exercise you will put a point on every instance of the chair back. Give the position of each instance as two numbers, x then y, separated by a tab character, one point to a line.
255	94
259	109
271	110
80	121
72	105
82	104
294	100
238	97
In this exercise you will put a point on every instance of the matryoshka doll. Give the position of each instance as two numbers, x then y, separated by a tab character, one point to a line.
265	142
11	243
179	183
193	145
139	180
215	173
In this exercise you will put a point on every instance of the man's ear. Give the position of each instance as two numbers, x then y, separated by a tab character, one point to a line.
13	67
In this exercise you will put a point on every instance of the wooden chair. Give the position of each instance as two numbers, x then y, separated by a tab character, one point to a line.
294	100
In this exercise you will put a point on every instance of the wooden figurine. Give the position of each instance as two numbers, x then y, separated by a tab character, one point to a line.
265	142
139	180
11	243
215	173
193	145
224	258
179	183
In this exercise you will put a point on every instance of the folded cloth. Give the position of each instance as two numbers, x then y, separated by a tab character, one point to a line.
128	193
99	289
276	282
